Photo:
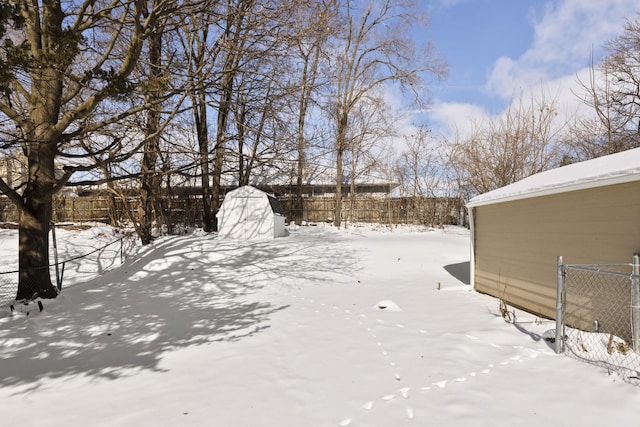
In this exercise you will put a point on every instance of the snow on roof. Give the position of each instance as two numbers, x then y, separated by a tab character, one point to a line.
615	168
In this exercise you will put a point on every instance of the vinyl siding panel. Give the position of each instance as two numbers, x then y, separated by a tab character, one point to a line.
516	244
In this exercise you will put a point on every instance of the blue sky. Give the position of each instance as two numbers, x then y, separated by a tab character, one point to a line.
498	49
471	36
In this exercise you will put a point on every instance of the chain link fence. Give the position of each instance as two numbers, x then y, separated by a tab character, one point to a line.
598	316
79	268
8	287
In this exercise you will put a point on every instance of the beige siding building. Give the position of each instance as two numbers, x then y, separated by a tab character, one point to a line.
588	212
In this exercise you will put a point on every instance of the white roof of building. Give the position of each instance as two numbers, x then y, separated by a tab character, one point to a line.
615	168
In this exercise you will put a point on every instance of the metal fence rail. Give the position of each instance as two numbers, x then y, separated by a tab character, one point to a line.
80	267
598	315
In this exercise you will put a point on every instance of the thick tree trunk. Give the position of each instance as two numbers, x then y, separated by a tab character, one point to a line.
302	113
40	147
147	190
35	218
299	201
221	134
203	144
218	162
337	220
341	144
150	183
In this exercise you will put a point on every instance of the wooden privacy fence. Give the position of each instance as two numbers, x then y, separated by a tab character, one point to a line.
187	209
383	210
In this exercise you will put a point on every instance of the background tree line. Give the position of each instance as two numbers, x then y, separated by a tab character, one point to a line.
146	95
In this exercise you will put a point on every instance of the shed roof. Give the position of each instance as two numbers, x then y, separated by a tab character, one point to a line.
250	192
615	168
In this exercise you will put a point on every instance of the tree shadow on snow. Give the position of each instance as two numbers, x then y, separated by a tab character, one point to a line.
184	291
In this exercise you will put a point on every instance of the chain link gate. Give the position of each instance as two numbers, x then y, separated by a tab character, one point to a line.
598	315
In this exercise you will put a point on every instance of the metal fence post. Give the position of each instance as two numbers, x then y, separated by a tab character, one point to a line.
560	308
55	256
635	304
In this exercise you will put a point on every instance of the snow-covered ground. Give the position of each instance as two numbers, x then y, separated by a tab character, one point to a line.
324	327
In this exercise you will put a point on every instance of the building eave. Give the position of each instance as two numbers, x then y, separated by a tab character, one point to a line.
556	190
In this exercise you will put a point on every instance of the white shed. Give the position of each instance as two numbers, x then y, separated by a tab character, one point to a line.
248	213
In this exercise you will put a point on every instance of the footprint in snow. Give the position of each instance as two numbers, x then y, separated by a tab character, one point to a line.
345	422
410	413
405	392
368	405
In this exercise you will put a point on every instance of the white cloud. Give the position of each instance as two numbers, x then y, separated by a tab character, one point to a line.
565	35
449	118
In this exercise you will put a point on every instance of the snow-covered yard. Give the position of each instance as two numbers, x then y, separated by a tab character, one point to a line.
324	327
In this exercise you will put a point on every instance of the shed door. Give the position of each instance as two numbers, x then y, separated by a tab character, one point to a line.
252	217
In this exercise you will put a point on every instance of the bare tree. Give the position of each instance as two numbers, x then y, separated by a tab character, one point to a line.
149	180
66	73
520	142
420	167
374	50
371	126
613	93
623	65
250	31
422	176
201	44
315	26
